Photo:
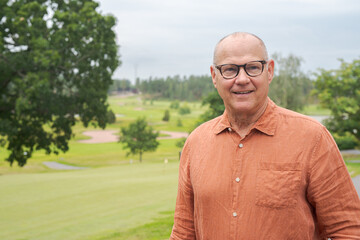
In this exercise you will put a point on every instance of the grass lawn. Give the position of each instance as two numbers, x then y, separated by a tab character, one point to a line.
353	168
315	110
353	164
86	204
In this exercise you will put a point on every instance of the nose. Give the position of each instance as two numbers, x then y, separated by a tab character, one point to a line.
242	77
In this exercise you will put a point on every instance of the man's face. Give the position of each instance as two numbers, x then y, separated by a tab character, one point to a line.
242	94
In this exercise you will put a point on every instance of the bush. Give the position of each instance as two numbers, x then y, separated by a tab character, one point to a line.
345	141
110	116
180	143
179	123
175	105
166	117
184	110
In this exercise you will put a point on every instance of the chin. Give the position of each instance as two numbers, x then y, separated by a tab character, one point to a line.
242	108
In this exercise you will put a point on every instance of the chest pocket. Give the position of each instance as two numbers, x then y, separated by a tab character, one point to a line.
277	184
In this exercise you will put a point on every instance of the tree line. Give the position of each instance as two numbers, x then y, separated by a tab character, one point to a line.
190	88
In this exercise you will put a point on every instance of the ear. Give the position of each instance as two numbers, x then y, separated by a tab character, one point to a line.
270	70
213	74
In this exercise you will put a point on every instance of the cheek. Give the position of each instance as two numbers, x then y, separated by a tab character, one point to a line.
225	84
262	84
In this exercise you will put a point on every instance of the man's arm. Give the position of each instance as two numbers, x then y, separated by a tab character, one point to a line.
331	191
183	228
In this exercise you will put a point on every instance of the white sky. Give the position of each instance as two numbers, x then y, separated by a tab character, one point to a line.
162	38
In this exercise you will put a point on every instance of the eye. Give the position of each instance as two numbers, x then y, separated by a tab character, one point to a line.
253	67
228	69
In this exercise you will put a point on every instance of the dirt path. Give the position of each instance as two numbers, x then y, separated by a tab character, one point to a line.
173	135
356	181
60	166
105	136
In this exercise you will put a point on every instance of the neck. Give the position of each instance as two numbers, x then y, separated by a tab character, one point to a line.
243	122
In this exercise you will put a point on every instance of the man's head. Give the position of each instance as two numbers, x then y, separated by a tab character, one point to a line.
239	35
244	89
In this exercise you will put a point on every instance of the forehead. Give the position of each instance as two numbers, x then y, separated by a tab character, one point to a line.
239	50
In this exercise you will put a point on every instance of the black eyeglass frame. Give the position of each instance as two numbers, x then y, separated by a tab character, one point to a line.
263	62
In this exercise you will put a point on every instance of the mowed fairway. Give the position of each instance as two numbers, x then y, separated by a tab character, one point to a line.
83	204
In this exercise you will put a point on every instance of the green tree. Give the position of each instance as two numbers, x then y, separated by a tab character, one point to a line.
175	104
139	137
56	62
216	107
179	123
180	143
290	87
120	85
339	91
177	88
183	110
166	116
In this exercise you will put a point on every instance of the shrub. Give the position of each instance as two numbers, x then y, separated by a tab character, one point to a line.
345	141
175	104
184	110
110	115
166	117
179	123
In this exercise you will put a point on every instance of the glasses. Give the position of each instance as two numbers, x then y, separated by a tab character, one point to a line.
252	69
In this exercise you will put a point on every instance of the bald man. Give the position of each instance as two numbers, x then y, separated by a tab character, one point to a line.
260	171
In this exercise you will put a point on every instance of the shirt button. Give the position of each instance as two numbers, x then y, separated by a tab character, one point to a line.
234	214
237	179
241	145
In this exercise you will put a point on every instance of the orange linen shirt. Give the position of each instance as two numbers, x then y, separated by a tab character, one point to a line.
285	180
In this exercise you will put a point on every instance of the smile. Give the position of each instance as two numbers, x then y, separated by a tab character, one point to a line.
244	92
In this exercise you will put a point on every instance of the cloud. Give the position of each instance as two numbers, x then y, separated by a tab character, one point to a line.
161	37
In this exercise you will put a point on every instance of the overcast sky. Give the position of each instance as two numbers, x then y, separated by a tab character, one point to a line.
162	38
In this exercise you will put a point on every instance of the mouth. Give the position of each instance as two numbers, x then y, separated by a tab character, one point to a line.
242	92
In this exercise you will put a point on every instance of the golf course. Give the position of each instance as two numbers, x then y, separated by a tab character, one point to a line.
108	195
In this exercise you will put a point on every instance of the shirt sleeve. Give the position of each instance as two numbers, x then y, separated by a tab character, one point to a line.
183	228
331	191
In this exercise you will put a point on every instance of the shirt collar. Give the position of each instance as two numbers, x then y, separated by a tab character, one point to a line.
266	123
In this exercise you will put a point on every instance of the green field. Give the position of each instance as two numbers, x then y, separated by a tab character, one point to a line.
110	199
85	204
315	110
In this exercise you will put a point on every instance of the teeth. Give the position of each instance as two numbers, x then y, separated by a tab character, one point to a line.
243	92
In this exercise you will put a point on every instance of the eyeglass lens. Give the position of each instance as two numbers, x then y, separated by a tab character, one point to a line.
231	70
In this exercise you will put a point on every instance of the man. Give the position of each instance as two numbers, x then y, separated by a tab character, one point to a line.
260	171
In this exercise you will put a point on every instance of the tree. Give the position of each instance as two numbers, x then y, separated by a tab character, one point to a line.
177	88
56	62
216	107
166	116
138	137
339	91
120	85
290	87
180	143
175	104
184	110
